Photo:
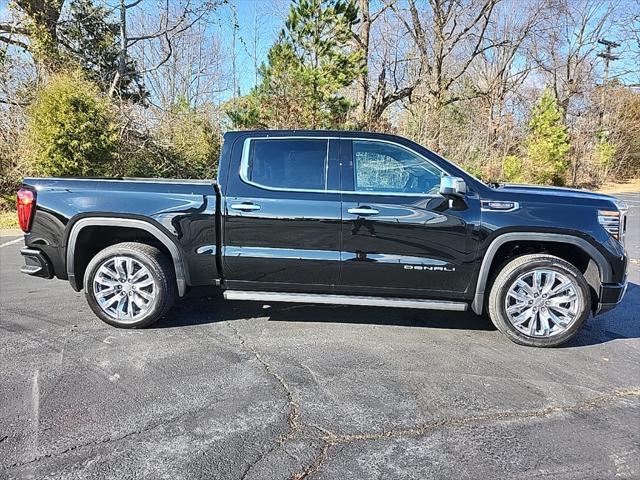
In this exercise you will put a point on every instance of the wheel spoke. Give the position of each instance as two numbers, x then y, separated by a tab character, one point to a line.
532	325
558	321
140	301
518	296
560	288
544	322
516	307
106	272
561	310
120	307
145	295
120	267
550	279
145	284
537	280
523	317
106	292
139	275
525	287
129	266
557	301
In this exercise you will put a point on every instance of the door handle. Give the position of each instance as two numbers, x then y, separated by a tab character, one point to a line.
363	211
245	207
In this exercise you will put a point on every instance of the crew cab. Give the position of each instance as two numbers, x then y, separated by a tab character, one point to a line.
332	217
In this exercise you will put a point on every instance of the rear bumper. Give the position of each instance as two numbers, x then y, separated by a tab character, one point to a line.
611	294
36	263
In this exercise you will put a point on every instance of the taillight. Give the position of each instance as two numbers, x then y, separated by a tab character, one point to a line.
26	201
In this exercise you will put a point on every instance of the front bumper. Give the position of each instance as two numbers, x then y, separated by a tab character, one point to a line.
36	263
611	294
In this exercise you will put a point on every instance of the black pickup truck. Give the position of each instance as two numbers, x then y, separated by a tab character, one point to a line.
332	217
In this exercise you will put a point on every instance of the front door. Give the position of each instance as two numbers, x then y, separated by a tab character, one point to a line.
400	237
282	224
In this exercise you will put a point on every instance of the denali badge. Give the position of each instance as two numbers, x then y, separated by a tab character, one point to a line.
430	268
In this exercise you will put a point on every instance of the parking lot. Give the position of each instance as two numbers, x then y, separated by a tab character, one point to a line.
235	390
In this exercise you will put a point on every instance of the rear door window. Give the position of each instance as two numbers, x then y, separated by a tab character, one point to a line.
290	164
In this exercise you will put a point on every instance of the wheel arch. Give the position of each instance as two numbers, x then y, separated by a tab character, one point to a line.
603	267
154	231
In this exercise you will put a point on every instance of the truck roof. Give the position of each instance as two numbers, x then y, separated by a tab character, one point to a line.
317	133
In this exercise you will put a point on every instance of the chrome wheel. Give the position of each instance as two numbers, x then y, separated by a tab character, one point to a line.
543	303
124	289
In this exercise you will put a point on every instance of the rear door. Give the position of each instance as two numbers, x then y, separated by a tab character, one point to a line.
282	215
400	236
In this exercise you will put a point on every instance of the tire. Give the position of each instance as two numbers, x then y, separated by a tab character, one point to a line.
146	295
566	283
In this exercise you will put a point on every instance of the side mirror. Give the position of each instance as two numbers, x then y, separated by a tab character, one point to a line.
452	187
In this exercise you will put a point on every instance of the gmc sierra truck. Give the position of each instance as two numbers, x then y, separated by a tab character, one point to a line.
332	217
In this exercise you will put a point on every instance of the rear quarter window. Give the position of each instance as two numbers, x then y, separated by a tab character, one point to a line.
287	163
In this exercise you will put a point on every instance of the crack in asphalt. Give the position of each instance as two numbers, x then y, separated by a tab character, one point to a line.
147	428
331	439
294	407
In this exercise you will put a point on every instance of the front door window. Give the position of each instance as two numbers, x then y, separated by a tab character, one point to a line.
391	169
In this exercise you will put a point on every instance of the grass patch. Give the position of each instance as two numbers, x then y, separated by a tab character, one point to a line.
8	219
632	185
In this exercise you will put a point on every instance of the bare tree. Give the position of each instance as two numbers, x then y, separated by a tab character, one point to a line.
565	51
173	18
449	35
196	73
500	72
385	81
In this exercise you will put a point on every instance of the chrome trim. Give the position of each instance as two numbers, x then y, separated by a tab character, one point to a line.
330	299
179	181
245	207
281	253
515	207
452	186
365	212
176	255
244	164
603	266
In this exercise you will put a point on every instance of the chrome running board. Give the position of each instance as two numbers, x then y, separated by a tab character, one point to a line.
344	300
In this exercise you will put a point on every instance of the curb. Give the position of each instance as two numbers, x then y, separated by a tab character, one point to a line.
10	232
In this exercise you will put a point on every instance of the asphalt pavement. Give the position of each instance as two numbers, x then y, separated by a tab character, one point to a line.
231	390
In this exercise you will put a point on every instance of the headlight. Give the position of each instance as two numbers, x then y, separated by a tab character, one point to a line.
615	221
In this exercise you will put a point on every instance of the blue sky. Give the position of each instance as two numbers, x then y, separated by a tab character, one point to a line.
263	19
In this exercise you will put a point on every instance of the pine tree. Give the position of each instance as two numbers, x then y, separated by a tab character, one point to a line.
70	129
548	142
306	70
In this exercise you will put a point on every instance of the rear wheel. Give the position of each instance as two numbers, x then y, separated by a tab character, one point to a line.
130	285
539	300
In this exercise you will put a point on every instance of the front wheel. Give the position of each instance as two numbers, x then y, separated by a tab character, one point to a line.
539	300
130	285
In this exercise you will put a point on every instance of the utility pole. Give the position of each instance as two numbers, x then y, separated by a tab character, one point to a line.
608	57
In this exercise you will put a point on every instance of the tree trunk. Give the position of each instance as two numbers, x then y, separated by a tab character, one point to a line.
362	85
45	15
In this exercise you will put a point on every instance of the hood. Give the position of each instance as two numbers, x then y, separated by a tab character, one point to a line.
569	194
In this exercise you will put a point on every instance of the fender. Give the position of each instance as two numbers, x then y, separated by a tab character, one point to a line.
603	266
176	254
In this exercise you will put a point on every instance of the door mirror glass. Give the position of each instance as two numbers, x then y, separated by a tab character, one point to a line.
452	186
